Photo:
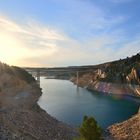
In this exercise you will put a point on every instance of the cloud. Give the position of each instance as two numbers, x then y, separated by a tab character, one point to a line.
84	16
27	40
34	44
96	17
32	29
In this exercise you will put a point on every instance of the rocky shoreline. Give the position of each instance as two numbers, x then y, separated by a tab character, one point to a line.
86	81
21	118
113	88
126	130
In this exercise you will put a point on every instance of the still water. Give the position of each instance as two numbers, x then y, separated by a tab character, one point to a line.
62	100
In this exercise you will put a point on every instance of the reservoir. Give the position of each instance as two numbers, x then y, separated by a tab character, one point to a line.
65	102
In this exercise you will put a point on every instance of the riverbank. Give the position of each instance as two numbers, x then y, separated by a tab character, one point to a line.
86	81
127	130
22	119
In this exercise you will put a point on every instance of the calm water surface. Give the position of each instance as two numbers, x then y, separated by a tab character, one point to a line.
62	100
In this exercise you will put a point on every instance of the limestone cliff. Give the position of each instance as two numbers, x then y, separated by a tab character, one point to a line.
118	77
122	78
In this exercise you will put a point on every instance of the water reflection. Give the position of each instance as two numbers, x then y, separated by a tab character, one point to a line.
66	102
77	90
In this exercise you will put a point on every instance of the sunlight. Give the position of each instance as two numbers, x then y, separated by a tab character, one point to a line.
10	49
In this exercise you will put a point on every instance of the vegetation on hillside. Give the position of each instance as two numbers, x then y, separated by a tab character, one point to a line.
22	74
89	130
117	71
16	71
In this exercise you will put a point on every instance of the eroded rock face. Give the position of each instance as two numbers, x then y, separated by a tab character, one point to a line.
134	76
90	81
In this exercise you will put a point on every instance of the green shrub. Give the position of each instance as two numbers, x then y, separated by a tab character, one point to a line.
89	130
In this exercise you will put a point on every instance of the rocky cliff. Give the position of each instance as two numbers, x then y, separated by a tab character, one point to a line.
118	77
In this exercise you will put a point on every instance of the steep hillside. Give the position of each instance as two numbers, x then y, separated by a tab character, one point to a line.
118	77
16	72
127	130
20	116
123	71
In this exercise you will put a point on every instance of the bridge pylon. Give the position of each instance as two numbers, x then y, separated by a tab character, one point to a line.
77	78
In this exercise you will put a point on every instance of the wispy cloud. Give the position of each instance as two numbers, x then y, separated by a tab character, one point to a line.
85	16
34	44
96	17
33	38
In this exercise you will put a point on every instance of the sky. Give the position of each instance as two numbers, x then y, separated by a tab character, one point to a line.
56	33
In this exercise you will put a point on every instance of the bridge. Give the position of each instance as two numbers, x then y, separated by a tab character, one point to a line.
60	73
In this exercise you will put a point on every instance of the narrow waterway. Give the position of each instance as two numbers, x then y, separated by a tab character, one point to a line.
62	100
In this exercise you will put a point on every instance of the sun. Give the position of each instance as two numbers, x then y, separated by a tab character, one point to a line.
10	49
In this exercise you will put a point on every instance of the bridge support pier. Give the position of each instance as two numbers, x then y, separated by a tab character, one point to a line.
77	78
